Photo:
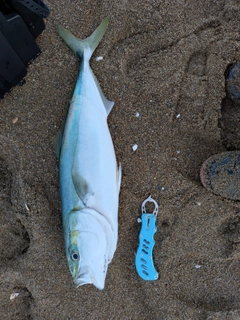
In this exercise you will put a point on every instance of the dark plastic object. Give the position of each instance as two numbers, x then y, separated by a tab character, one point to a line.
19	37
21	21
12	70
221	174
233	83
32	12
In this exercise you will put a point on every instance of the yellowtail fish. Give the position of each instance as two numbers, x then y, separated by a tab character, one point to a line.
89	176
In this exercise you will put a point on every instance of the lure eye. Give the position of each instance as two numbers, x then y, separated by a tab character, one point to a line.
75	256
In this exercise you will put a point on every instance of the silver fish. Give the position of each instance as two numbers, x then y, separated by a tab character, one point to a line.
89	176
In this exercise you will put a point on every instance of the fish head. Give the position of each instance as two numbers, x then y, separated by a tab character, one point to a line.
87	257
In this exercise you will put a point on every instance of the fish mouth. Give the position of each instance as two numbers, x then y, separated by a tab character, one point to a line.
81	281
89	278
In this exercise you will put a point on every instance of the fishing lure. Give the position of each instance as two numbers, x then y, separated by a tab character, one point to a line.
144	256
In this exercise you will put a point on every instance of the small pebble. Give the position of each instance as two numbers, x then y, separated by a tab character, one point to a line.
99	58
135	147
137	114
178	116
15	120
14	295
27	207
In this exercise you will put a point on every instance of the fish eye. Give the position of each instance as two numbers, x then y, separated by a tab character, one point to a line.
75	256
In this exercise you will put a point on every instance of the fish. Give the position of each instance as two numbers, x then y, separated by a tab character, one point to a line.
90	177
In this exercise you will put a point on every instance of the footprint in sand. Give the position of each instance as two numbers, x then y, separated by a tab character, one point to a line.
5	181
210	282
230	229
193	107
220	173
15	299
14	239
197	64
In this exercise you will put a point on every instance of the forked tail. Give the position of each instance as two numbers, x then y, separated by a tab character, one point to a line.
84	48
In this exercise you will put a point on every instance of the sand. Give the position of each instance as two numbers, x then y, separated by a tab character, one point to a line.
165	60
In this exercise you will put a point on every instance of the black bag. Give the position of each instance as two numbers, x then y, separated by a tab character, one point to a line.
21	21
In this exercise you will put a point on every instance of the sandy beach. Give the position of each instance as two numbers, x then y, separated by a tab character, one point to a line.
164	65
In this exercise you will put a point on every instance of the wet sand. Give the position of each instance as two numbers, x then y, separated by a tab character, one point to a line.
165	60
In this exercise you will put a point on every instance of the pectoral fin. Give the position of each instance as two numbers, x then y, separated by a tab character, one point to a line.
82	188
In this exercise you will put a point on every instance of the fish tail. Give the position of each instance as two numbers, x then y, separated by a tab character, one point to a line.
84	48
